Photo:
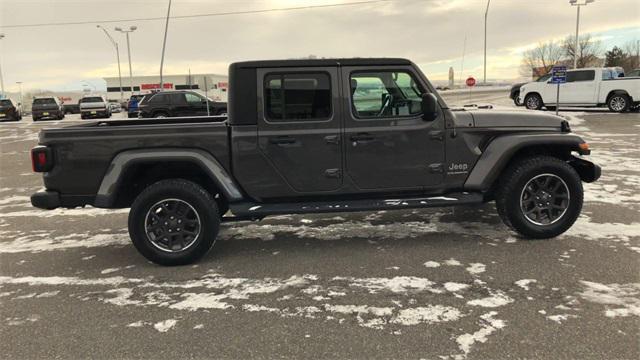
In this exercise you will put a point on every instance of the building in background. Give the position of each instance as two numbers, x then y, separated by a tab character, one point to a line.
214	85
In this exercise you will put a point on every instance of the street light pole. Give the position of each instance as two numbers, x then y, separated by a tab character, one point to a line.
21	105
164	43
1	78
578	4
115	44
131	29
486	14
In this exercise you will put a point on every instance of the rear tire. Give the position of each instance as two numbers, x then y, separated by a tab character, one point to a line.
533	102
174	222
160	115
619	103
539	197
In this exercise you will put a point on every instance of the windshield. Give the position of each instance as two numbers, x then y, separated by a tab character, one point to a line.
47	101
544	78
5	103
91	99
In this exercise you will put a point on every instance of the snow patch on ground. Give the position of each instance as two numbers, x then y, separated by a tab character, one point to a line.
620	299
166	325
488	324
524	283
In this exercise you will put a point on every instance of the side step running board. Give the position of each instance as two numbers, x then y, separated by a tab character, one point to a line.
255	211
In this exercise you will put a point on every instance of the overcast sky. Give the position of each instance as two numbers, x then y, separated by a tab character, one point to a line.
429	32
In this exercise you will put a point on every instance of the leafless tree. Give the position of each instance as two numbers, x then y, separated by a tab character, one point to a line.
632	55
539	60
588	52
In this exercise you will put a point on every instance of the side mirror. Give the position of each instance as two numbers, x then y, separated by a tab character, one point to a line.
429	107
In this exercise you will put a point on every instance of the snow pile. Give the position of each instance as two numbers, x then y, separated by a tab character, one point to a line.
621	299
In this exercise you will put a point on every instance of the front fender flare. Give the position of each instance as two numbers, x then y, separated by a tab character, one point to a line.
502	149
107	192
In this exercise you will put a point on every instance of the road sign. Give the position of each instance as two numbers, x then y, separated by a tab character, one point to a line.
470	81
559	74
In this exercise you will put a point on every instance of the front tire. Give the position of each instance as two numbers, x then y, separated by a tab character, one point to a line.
515	99
533	102
539	197
174	222
619	103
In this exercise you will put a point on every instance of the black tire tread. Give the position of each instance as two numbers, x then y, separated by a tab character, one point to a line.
507	187
170	185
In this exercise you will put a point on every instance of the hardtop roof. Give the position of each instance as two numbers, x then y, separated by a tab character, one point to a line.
321	62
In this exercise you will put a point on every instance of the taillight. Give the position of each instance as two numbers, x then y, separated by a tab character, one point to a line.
41	159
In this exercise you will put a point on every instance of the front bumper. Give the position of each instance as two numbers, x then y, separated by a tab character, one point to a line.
48	200
588	171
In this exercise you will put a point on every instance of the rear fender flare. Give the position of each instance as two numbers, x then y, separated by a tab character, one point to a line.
501	150
110	182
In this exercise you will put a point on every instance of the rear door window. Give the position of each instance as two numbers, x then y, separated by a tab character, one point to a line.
295	97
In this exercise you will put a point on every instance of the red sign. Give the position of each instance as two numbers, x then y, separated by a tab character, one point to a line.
471	81
223	85
155	86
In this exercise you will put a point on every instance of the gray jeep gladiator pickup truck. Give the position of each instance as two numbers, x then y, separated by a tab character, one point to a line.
311	136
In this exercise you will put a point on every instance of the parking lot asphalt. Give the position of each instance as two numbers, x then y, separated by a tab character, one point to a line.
446	283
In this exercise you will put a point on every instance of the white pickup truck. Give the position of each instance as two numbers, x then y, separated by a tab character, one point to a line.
588	87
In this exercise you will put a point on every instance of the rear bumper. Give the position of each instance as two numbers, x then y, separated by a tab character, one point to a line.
94	113
48	200
49	114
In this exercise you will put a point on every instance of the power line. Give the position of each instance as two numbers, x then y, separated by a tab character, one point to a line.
243	12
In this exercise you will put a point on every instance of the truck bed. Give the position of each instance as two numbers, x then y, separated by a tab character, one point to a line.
83	152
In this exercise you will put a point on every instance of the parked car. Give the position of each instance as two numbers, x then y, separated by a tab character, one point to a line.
296	142
71	108
589	87
115	107
132	105
514	93
92	106
10	110
179	103
47	107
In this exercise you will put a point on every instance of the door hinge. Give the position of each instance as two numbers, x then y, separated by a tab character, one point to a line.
332	173
436	168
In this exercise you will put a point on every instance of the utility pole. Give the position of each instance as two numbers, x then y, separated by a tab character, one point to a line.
486	14
578	4
464	50
164	44
131	29
115	45
2	95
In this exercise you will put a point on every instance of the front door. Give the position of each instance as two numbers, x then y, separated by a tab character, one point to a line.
299	127
388	145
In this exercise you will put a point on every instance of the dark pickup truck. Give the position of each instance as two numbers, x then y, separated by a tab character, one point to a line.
310	136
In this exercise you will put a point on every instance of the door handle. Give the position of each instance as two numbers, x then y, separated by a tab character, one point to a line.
436	135
332	139
282	140
362	138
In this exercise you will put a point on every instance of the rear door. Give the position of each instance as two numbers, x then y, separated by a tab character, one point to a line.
299	127
388	145
197	104
580	87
